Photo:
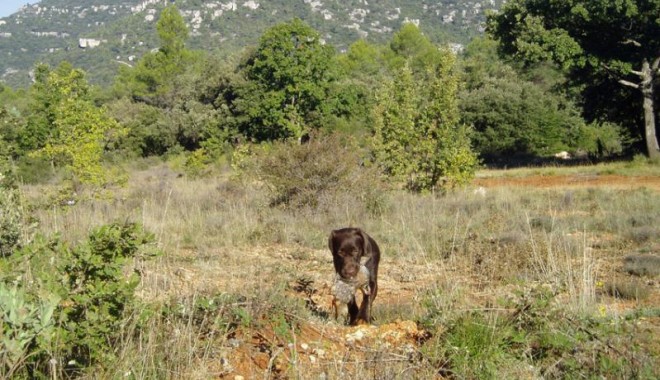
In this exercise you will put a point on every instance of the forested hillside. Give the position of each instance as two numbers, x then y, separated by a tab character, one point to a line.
409	100
98	36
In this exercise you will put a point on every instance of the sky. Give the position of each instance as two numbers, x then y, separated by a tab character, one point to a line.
8	7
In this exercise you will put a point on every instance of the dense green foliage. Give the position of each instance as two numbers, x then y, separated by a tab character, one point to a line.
11	218
602	44
152	81
417	135
287	80
78	132
422	111
64	305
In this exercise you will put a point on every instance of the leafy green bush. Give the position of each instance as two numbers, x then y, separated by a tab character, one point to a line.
417	137
10	219
601	139
27	327
514	116
196	164
96	291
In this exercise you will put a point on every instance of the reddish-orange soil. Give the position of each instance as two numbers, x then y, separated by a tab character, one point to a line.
581	180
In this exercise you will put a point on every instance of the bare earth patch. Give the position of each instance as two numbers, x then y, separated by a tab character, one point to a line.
572	181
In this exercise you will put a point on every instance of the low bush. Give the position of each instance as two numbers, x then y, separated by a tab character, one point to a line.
316	174
28	327
96	292
11	217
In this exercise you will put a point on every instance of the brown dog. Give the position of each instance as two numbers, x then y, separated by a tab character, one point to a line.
349	246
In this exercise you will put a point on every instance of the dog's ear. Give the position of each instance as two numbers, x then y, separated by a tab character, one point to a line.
331	241
366	244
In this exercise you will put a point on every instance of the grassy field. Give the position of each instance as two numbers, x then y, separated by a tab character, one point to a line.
497	280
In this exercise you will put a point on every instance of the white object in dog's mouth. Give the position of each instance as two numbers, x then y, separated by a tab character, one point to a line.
344	288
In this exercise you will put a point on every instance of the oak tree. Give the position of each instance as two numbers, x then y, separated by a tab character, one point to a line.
287	78
603	40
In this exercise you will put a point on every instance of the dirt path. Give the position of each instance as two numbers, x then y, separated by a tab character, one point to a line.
579	180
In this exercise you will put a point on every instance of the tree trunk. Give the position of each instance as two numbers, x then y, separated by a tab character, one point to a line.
646	86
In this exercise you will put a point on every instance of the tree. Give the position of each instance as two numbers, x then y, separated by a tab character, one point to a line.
286	81
514	116
153	80
417	137
172	32
417	134
11	125
410	46
612	40
77	127
172	93
516	110
45	95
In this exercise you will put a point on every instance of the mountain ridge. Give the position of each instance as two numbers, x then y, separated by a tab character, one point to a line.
100	35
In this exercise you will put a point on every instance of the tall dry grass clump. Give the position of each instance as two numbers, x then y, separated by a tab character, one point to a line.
321	174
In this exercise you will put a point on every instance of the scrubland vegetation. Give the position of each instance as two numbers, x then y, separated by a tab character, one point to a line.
175	225
513	282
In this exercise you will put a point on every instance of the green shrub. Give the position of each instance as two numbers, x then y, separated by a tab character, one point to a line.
196	164
601	139
98	290
11	217
27	327
34	170
417	137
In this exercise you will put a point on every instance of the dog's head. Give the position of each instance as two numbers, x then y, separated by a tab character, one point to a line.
348	247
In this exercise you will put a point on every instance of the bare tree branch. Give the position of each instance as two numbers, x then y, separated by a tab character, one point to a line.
629	84
632	42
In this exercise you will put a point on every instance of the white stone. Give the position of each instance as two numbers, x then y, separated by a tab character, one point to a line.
230	6
251	4
88	43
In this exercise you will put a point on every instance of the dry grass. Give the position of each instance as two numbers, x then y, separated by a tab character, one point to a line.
444	256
